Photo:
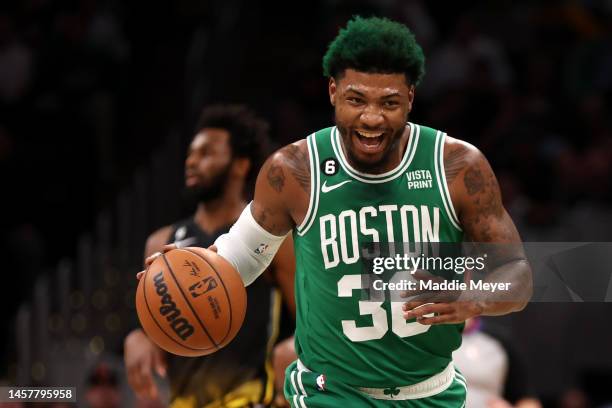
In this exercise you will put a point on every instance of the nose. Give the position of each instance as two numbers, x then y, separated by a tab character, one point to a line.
190	160
372	117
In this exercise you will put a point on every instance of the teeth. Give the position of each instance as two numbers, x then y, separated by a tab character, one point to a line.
369	134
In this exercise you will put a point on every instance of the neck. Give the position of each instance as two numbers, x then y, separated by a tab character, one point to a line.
219	212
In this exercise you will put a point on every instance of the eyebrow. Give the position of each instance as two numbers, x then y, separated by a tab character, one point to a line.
351	89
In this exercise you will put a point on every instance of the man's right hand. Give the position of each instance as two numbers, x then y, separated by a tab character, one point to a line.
149	259
141	357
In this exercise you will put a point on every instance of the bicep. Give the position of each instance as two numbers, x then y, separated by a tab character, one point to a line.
483	216
269	207
481	212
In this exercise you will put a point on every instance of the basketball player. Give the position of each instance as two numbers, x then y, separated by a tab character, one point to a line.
353	183
222	161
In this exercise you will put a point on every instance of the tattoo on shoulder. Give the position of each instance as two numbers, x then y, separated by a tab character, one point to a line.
298	164
276	177
454	162
473	180
485	196
484	191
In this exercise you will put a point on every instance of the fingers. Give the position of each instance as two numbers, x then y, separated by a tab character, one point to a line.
439	313
419	312
169	247
139	357
440	319
147	384
213	248
140	274
151	258
160	363
411	305
154	256
141	381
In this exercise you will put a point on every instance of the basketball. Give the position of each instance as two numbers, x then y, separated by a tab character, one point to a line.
191	302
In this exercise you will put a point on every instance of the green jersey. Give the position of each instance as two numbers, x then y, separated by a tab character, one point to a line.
368	343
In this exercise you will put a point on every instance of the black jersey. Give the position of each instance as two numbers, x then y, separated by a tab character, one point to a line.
244	364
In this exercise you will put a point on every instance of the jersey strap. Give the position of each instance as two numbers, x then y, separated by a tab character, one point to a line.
314	185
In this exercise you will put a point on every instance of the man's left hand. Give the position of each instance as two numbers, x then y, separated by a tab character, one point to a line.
444	313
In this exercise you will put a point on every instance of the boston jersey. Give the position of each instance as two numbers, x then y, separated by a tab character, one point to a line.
367	342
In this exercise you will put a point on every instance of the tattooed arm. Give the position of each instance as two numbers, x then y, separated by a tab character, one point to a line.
477	200
282	190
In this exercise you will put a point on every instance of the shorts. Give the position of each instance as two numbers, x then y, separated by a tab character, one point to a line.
248	395
306	389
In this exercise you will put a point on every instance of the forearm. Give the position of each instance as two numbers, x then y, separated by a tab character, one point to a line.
248	247
515	277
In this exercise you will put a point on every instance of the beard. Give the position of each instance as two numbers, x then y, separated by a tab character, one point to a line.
365	166
214	189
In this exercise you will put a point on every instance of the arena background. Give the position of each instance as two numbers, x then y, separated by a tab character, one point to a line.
98	101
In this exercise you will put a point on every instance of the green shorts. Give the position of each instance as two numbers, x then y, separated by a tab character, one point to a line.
306	389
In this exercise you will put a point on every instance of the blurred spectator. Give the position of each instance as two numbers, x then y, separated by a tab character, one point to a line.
469	52
574	398
15	63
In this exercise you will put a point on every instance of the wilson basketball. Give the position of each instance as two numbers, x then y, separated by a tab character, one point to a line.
191	302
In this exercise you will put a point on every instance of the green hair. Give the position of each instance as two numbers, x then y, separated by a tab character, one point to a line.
376	45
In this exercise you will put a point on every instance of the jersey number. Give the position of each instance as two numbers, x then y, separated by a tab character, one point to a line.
379	327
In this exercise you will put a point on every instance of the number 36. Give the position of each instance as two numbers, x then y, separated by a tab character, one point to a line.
379	327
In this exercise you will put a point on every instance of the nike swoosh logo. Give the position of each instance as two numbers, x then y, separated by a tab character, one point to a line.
185	242
326	189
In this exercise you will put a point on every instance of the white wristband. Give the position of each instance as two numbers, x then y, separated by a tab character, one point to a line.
248	246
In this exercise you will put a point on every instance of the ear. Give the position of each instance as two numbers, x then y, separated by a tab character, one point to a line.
411	92
241	166
332	91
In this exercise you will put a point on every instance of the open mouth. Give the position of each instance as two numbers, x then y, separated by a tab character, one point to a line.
191	178
368	141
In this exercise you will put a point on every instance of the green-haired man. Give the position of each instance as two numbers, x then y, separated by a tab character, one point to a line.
374	177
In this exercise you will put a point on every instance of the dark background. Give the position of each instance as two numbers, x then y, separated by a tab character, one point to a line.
94	94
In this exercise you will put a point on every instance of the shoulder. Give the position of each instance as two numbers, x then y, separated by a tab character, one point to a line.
157	240
473	187
283	188
290	154
290	160
296	154
464	160
457	148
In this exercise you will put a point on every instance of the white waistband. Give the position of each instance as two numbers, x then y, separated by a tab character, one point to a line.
426	388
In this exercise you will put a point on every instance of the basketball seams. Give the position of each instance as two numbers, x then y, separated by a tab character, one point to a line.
152	315
227	296
188	303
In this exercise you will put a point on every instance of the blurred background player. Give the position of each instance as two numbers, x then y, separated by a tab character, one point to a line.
220	167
